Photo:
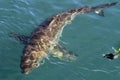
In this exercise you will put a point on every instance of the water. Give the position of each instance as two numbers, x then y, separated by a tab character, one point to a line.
89	36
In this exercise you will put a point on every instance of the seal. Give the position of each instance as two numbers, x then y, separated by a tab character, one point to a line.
45	39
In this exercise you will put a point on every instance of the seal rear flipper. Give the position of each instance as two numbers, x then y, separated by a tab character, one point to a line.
62	53
22	38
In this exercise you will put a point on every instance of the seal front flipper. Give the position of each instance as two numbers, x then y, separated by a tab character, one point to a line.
22	38
63	54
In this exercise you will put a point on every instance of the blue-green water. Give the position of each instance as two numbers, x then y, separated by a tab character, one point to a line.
89	36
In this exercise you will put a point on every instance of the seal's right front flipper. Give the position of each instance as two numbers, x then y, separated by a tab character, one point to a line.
61	53
22	38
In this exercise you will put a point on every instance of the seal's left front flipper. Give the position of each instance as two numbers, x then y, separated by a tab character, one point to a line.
22	38
61	53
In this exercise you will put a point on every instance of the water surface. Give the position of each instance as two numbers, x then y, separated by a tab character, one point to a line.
89	36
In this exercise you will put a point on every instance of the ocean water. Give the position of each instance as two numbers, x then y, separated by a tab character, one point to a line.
89	36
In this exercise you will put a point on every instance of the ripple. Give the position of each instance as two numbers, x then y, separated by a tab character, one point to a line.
78	2
20	15
98	70
25	1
